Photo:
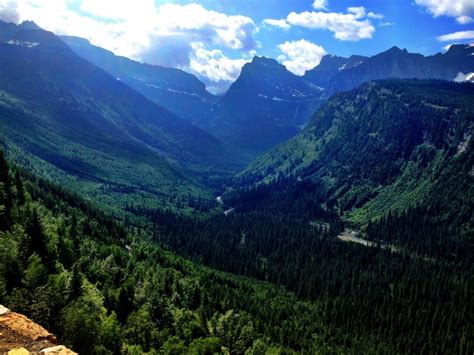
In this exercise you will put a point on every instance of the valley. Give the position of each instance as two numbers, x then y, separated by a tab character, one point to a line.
328	211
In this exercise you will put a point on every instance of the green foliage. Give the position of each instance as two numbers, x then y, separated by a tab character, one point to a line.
236	331
112	290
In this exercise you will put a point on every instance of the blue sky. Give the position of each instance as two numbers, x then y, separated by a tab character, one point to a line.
215	38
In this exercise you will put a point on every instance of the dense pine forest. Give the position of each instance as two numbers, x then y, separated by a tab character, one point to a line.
103	287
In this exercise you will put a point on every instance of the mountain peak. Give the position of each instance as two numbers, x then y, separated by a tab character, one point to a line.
396	49
28	25
265	61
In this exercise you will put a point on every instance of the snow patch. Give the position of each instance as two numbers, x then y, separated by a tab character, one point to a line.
182	92
315	86
461	77
27	44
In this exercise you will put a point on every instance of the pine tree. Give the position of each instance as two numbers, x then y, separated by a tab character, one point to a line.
39	239
75	283
20	189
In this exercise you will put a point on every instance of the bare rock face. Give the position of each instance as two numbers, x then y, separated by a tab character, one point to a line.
20	335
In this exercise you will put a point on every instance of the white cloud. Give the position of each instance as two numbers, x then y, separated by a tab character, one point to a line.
277	23
358	11
351	26
214	65
300	56
9	11
447	47
463	20
320	4
375	16
462	10
456	36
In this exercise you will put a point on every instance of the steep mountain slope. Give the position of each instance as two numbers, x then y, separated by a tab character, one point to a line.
330	66
73	121
399	64
174	89
386	145
264	107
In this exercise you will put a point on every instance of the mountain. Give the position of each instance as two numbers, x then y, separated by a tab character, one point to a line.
400	64
266	105
75	123
179	92
385	146
329	66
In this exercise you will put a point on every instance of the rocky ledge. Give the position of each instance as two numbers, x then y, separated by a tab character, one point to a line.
21	336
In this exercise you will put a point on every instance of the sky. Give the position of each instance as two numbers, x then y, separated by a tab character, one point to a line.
213	39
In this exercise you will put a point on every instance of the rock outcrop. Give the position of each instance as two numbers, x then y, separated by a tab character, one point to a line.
21	336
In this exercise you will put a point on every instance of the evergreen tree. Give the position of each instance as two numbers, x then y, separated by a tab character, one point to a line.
75	283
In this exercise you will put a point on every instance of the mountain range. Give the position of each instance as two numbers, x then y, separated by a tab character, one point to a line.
64	115
277	102
385	146
280	103
71	122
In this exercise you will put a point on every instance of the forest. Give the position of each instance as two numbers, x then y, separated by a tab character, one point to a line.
106	287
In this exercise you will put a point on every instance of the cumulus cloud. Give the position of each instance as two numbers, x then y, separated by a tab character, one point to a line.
320	4
464	20
375	16
168	51
456	36
9	11
300	56
462	10
277	23
216	69
351	26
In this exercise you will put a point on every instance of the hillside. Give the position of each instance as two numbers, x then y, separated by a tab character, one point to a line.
102	288
385	146
174	89
72	122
